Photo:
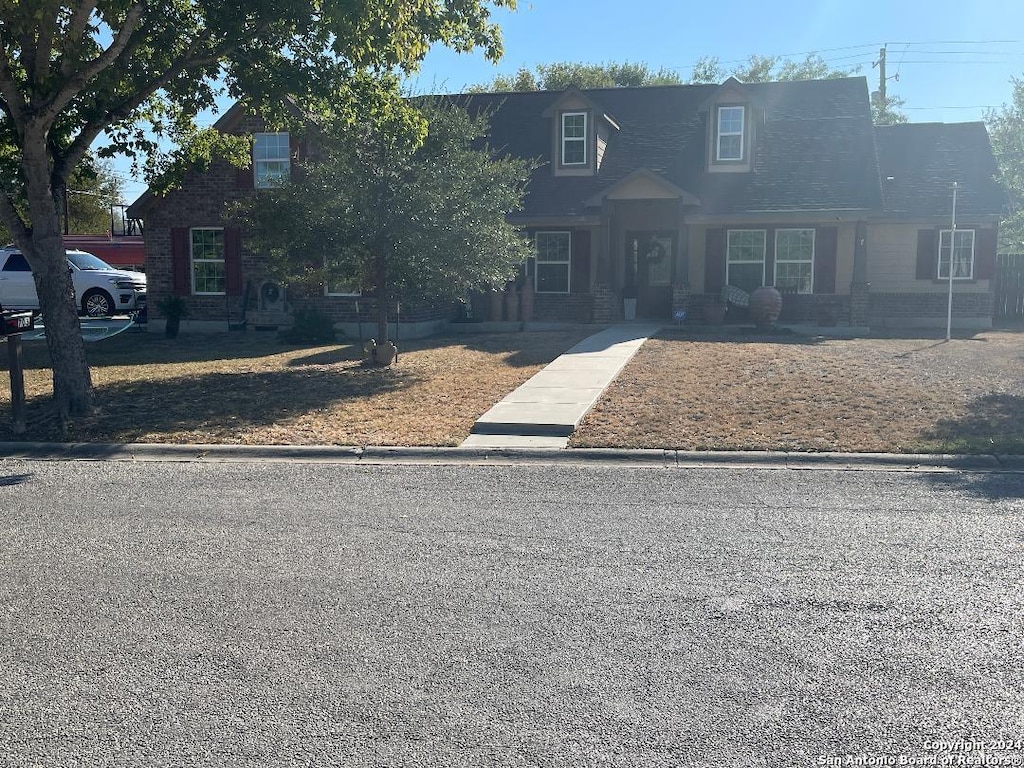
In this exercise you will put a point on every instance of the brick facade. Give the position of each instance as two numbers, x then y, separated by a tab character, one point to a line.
932	305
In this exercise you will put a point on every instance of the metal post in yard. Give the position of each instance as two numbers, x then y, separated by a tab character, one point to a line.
952	250
17	372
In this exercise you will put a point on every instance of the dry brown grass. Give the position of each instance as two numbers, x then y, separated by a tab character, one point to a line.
249	389
784	393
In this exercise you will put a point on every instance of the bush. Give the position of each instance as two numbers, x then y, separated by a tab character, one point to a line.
310	326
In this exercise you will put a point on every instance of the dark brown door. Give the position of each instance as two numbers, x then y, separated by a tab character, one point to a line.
650	258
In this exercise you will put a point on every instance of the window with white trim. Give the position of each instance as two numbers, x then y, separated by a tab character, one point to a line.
553	262
574	138
962	253
729	136
794	260
271	159
744	262
208	270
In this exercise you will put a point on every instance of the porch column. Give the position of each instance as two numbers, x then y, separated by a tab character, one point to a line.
860	288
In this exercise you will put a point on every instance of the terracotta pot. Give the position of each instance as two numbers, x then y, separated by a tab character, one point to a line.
512	304
714	314
386	353
526	300
497	306
765	306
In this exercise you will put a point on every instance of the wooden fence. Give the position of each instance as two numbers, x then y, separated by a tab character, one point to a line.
1009	286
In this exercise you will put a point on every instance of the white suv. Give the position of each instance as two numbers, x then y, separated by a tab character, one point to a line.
100	290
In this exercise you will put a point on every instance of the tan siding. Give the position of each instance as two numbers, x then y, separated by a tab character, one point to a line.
892	262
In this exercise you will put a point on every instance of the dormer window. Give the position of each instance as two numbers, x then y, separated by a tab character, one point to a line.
729	140
271	155
574	138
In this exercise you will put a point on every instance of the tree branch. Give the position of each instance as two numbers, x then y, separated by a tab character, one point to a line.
49	110
64	163
76	28
44	45
12	219
11	95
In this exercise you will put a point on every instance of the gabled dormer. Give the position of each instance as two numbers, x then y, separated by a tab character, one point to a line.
732	116
580	130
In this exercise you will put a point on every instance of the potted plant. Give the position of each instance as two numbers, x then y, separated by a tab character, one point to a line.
629	302
173	308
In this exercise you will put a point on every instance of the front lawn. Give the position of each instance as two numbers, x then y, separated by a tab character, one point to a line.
730	392
250	389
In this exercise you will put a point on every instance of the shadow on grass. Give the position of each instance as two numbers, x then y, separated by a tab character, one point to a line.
221	406
994	424
738	334
520	349
151	348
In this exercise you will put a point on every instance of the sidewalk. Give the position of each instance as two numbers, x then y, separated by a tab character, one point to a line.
544	411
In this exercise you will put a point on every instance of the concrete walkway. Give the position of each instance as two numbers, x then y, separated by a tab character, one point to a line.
544	411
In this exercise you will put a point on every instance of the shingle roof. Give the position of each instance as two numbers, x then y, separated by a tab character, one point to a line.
814	150
920	161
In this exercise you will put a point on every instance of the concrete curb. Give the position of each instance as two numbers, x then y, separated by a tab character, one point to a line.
373	455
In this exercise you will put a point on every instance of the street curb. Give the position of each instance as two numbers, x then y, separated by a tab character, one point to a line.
374	455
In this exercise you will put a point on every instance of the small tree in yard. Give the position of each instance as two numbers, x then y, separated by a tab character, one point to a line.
397	213
75	70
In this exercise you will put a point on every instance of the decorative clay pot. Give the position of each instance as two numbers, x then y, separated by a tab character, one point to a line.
526	300
386	353
714	314
765	306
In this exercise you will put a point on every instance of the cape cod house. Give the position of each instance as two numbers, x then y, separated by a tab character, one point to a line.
669	195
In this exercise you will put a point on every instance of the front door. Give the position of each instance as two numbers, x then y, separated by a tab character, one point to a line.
650	257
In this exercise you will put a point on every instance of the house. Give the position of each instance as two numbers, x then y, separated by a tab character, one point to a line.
669	194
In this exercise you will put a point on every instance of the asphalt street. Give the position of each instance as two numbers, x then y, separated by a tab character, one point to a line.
280	614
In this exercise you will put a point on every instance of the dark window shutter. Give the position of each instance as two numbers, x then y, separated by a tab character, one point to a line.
244	178
232	261
984	254
714	261
927	254
826	240
181	262
580	280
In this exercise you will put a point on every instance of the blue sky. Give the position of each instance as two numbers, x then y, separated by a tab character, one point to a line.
953	59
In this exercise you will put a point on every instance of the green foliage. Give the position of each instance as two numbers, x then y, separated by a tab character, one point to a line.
173	306
309	326
1006	130
395	212
137	71
760	69
562	75
887	111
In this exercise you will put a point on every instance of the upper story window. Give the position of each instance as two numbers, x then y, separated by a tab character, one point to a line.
574	138
271	155
729	137
962	254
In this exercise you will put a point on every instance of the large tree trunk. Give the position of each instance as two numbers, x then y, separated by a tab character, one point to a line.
44	249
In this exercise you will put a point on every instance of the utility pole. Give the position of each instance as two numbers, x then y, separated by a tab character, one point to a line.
881	77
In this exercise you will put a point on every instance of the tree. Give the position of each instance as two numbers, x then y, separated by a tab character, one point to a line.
92	189
887	111
71	71
760	69
1006	131
390	215
562	75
